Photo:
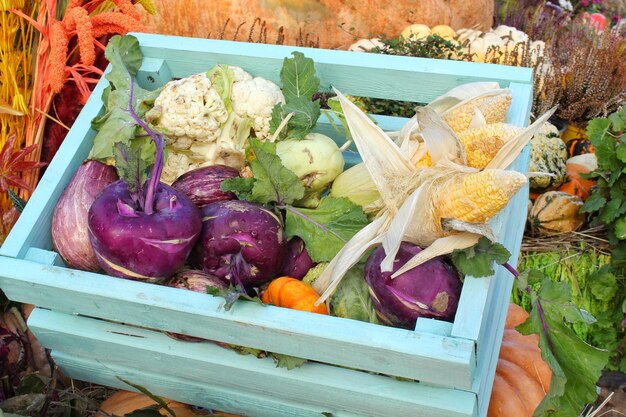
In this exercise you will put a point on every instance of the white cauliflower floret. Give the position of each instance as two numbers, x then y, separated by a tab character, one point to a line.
188	110
176	164
254	99
239	74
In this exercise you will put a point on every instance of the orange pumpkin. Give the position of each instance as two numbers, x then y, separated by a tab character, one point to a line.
522	376
292	293
318	18
575	185
125	402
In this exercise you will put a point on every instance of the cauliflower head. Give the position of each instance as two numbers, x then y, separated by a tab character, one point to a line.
188	110
254	99
207	118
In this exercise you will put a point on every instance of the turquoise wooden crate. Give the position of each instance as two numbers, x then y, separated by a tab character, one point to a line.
100	328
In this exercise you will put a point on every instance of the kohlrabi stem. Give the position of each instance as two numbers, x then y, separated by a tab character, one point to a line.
542	315
307	218
510	268
281	126
157	168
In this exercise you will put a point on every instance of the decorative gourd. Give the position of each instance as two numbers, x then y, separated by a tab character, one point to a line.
319	18
292	293
547	155
522	377
575	185
556	212
579	146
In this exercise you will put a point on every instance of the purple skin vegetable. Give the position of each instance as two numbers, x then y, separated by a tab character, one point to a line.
430	290
70	232
242	243
297	261
202	185
146	233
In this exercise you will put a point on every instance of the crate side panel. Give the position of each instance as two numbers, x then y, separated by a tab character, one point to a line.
181	389
33	227
431	358
348	71
312	384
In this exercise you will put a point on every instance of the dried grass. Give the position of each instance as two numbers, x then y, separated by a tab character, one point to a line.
571	241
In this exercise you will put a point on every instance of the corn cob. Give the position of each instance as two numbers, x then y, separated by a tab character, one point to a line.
494	108
483	143
477	197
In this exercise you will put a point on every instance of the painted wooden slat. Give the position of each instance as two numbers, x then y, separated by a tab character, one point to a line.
33	227
312	385
371	75
45	257
477	291
430	358
489	344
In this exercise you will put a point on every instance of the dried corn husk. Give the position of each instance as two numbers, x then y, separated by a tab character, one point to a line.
412	195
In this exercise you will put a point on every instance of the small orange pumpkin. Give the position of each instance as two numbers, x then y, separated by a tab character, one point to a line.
292	293
575	185
522	376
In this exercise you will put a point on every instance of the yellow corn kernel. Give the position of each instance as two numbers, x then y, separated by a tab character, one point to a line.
483	143
493	107
477	197
424	161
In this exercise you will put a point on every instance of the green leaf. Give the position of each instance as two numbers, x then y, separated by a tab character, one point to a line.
242	187
603	285
306	113
18	202
151	411
621	152
620	228
286	361
298	77
33	384
613	209
116	124
618	120
595	202
130	167
161	404
272	181
576	366
351	299
327	228
478	260
231	295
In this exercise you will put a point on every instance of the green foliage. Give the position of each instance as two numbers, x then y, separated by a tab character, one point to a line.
299	84
576	366
131	167
478	260
327	228
272	182
592	287
351	299
116	124
433	46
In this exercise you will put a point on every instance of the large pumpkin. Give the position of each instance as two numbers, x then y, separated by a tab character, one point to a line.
556	212
522	376
125	402
320	18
